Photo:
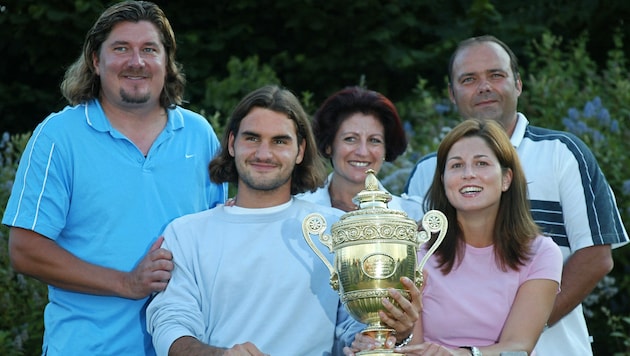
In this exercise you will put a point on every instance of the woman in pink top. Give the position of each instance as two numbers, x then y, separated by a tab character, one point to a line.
492	282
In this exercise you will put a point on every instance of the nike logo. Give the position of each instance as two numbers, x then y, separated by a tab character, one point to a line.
189	156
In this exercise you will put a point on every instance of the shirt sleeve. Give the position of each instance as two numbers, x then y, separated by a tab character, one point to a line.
175	312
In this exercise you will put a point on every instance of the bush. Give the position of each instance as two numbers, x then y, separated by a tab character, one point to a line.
22	299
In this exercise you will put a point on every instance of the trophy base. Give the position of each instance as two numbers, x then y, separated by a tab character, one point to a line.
379	353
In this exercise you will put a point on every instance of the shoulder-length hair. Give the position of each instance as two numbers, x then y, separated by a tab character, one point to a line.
81	83
308	175
342	104
514	226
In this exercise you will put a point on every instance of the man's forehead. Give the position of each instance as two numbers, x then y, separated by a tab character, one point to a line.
481	57
268	122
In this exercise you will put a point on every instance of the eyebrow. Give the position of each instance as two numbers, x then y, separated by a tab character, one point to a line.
277	137
120	42
475	157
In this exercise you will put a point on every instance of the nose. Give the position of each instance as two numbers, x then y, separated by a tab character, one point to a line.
263	151
362	148
484	86
136	59
468	172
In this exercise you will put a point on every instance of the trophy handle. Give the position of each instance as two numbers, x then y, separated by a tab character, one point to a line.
316	224
433	221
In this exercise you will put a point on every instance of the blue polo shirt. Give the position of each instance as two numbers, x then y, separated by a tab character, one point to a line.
83	184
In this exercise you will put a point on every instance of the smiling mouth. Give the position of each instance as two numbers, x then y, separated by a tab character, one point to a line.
359	164
469	190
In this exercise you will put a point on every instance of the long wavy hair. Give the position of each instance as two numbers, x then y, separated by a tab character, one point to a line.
308	175
81	83
514	226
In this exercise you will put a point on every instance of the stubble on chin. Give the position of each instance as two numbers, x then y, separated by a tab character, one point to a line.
134	99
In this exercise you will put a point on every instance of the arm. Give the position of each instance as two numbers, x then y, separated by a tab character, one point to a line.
188	345
592	224
37	256
525	323
527	318
580	274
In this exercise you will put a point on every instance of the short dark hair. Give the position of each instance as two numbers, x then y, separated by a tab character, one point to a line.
309	175
81	83
342	104
480	39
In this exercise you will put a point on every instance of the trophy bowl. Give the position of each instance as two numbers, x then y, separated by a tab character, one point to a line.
374	247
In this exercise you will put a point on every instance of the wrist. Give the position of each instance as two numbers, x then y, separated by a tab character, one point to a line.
405	341
474	351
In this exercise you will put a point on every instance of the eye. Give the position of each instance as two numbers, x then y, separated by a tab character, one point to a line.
251	138
349	139
467	80
456	165
280	141
120	49
376	140
150	50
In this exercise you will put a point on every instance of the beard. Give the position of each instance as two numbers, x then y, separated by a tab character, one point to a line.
134	99
265	182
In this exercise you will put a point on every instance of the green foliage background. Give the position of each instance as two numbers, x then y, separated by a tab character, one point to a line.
574	68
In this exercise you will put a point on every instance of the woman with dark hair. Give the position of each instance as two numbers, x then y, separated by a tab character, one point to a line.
493	280
357	129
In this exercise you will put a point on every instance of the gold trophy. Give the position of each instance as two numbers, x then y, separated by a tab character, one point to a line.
374	247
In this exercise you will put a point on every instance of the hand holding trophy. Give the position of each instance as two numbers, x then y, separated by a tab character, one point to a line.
374	247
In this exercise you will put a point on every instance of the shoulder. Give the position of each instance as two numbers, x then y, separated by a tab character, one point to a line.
412	205
189	118
196	218
427	159
64	119
542	244
541	134
305	207
319	196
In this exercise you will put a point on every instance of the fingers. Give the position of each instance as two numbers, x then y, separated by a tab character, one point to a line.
157	244
425	349
153	272
361	342
156	252
403	317
245	349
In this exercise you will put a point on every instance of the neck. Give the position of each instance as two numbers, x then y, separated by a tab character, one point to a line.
477	229
257	199
341	193
141	126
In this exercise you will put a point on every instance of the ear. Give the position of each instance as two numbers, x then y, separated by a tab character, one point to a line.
230	145
507	180
95	61
301	148
519	86
328	150
451	94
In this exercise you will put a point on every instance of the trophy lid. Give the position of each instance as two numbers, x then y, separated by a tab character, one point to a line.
372	196
373	220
